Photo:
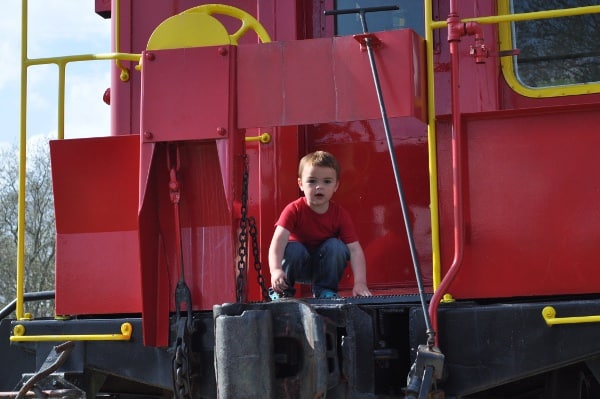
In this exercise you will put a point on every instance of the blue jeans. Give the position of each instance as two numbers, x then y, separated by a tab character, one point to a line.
323	267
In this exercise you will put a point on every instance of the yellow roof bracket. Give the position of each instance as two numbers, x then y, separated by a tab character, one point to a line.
196	27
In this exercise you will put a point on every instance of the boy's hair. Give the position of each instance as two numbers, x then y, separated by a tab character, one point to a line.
322	159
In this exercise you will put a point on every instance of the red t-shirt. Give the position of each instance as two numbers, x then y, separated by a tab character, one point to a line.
312	228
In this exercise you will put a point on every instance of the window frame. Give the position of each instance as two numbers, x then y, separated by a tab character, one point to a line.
505	32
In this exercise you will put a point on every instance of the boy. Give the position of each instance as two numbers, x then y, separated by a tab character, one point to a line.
314	237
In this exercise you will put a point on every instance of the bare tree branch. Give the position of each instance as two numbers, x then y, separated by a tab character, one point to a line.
39	226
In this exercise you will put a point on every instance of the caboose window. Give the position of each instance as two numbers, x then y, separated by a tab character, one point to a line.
557	51
409	15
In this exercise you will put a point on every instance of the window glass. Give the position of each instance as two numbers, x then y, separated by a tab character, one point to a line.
409	15
556	51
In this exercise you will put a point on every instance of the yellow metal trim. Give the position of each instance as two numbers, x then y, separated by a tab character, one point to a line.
22	173
432	150
248	21
196	27
264	138
19	335
549	315
507	63
188	30
124	75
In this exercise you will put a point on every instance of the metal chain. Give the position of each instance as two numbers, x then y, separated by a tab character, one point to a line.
243	238
256	255
182	388
248	224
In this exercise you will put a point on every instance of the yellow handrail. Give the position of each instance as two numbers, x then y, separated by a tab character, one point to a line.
19	335
549	315
22	163
61	62
431	144
566	12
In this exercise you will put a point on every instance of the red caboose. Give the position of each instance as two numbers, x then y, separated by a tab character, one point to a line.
474	196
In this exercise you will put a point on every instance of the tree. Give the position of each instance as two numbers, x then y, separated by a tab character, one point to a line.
39	226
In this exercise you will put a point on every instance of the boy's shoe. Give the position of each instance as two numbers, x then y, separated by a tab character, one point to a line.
288	293
274	295
328	294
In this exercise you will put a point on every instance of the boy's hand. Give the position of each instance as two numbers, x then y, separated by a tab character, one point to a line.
278	280
361	289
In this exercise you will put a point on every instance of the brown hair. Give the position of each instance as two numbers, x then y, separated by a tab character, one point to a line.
322	159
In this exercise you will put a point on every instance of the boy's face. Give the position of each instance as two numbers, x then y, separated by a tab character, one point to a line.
318	184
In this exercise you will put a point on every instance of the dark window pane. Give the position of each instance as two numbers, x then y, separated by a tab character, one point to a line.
557	51
410	15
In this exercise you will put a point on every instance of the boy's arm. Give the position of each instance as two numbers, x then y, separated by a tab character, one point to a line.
276	250
359	269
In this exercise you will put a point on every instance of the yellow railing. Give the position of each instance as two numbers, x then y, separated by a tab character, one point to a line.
432	150
527	16
549	315
26	62
19	335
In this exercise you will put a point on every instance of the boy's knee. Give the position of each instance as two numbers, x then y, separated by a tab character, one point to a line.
335	246
296	251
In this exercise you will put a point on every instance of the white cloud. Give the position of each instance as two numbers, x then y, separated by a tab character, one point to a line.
56	28
73	23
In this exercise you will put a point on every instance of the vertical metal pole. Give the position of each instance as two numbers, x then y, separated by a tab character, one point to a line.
22	167
403	205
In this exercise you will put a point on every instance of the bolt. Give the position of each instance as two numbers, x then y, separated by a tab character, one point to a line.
106	96
148	135
150	56
221	131
222	51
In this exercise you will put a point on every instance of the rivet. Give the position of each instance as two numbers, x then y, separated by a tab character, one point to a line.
148	135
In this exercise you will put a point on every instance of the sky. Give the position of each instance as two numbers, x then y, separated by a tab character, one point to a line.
56	28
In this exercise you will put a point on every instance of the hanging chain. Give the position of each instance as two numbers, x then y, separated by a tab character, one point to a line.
243	236
182	356
248	224
182	385
256	254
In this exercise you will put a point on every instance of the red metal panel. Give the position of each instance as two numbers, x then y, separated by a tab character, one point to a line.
97	273
329	80
95	199
186	93
479	82
530	184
